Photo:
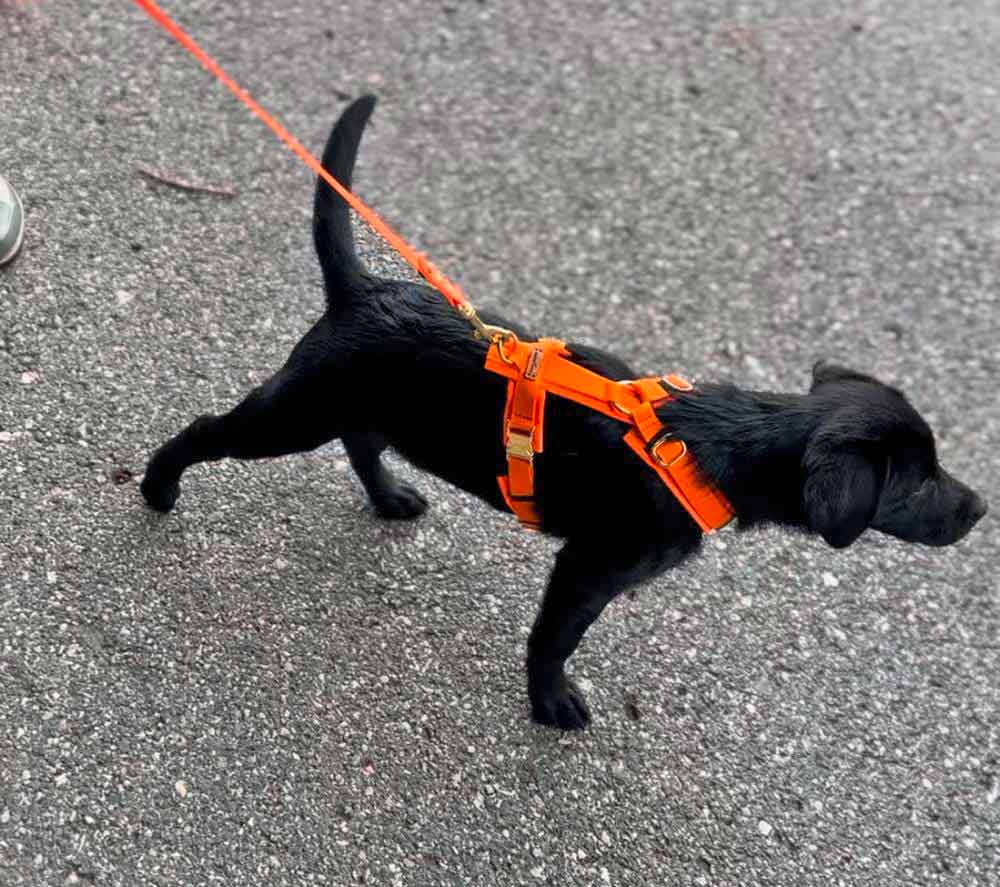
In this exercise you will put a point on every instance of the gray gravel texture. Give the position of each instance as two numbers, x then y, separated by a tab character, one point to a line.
270	686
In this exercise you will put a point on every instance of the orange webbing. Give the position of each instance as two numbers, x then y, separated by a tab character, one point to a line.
523	434
535	368
518	485
421	264
679	471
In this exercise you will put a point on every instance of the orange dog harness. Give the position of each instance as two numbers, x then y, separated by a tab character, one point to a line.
535	368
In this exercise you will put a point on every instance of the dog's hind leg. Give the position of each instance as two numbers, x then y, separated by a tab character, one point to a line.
586	578
390	497
292	412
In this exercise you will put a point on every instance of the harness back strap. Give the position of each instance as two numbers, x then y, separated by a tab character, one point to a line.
534	368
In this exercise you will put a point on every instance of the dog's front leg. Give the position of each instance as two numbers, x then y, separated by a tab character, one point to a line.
584	581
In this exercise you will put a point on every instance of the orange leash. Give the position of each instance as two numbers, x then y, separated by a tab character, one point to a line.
533	368
421	264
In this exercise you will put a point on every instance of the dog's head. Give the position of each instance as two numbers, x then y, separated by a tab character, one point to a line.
871	463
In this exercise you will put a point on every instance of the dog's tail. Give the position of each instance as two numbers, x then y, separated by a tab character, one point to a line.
342	270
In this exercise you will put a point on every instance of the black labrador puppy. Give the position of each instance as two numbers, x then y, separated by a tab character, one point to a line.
391	365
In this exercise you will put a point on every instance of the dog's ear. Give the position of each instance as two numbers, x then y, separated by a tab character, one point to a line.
824	372
841	490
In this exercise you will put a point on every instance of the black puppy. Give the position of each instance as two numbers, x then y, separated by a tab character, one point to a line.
390	364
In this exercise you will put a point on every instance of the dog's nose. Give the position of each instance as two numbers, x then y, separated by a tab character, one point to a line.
979	507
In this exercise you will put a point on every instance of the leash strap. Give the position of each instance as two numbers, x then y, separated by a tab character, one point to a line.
534	368
417	260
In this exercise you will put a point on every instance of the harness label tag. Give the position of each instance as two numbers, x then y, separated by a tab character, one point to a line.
534	362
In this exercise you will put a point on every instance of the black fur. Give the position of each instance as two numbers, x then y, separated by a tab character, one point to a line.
331	217
849	455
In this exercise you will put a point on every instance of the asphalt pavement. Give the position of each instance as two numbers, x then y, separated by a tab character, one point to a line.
270	685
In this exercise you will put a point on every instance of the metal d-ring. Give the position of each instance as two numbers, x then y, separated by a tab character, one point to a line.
625	411
500	337
658	441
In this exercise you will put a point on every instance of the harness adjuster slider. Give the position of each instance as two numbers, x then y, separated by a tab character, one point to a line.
519	445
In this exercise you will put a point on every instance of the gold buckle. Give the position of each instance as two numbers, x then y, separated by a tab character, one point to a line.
519	445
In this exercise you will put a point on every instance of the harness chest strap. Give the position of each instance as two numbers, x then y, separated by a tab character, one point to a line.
534	368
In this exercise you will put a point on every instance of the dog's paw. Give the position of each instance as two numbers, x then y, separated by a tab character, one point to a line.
159	496
402	502
563	706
